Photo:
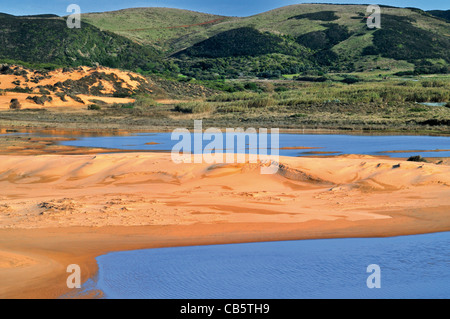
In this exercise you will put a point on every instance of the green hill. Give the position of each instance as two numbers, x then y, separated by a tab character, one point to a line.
326	37
444	14
245	41
311	38
163	28
40	40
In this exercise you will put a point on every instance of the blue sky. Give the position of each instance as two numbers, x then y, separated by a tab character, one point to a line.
224	7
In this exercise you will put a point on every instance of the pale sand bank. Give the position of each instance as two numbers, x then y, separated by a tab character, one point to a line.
57	210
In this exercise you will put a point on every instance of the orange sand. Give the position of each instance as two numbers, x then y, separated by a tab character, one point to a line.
53	77
57	210
5	101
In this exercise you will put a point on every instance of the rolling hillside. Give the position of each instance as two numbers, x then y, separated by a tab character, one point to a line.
302	37
163	28
42	39
305	38
444	14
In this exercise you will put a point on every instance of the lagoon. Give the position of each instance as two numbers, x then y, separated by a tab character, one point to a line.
315	144
416	266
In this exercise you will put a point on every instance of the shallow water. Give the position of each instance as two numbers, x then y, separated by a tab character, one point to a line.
433	103
326	144
411	267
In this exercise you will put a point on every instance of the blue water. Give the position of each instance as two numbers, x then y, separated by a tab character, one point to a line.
327	143
433	103
411	267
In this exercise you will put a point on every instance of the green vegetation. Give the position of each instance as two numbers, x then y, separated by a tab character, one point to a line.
367	105
323	40
193	107
290	40
265	66
372	104
48	43
302	66
321	15
297	39
443	14
385	101
144	101
237	42
163	28
31	65
40	99
401	39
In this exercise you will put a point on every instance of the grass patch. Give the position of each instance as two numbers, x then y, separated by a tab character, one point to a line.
195	107
418	109
230	97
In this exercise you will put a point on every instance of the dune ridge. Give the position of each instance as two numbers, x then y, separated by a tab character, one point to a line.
69	87
148	189
57	210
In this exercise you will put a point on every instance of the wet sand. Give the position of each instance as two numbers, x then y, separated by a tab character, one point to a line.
58	210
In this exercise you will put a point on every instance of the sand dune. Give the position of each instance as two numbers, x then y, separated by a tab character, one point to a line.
5	100
106	80
148	189
57	210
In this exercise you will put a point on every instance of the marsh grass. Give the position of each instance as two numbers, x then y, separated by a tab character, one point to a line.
373	104
194	107
144	101
230	97
418	109
373	92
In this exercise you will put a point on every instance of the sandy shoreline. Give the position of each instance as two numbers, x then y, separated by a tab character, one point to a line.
58	210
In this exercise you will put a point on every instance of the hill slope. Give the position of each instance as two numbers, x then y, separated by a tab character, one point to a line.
163	28
289	40
49	40
444	14
336	37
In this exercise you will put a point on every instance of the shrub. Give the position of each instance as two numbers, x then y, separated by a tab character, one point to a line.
40	100
124	106
19	89
320	16
62	96
433	84
252	87
418	109
94	107
417	158
311	78
281	89
144	100
193	107
76	98
351	80
15	104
